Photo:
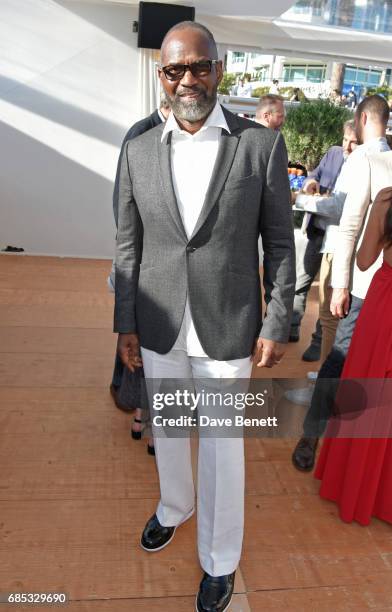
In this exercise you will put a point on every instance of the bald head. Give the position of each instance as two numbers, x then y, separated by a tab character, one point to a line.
188	30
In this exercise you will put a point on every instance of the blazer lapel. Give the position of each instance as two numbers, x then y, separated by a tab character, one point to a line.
164	157
227	149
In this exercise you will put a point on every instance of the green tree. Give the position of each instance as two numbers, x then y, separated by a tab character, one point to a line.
260	91
311	129
384	90
229	79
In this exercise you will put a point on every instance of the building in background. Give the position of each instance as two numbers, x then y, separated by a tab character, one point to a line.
309	75
313	75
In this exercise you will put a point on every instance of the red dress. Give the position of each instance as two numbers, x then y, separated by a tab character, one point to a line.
356	472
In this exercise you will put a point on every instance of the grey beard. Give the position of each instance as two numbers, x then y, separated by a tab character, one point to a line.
192	111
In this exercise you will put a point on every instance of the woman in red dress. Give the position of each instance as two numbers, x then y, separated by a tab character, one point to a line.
356	472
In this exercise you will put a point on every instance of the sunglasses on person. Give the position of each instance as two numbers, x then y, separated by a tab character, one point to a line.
175	72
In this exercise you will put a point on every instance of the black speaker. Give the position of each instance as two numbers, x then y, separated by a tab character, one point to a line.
156	19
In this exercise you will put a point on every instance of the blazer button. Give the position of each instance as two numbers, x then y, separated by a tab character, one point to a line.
190	249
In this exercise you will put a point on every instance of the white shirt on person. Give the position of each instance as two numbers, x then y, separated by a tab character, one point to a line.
193	158
364	185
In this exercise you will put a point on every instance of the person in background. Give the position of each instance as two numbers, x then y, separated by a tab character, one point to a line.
367	171
270	111
352	98
157	117
322	181
244	89
127	388
336	97
323	213
356	472
362	94
274	89
295	96
234	88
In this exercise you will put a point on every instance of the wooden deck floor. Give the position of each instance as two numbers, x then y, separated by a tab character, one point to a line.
76	490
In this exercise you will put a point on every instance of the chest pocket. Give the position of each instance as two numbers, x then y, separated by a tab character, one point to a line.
241	182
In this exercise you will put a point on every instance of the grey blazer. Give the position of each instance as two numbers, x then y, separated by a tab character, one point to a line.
157	265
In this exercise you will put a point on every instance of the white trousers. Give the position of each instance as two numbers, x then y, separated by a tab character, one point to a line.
221	470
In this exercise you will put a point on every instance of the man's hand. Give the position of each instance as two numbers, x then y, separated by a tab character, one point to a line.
128	348
311	187
267	353
340	303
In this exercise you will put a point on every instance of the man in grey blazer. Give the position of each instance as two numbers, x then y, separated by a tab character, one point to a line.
194	196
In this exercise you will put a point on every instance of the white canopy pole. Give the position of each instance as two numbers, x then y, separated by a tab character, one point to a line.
148	84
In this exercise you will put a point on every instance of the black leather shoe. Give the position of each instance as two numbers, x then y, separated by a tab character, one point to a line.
155	536
304	454
215	593
312	353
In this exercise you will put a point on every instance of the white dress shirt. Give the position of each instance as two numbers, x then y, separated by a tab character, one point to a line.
192	161
363	188
161	116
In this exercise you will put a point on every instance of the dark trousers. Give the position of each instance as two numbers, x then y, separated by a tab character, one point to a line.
308	261
327	382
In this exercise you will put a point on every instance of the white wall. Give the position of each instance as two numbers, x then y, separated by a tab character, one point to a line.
68	93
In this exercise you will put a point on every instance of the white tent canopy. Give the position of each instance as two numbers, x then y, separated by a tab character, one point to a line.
256	24
251	8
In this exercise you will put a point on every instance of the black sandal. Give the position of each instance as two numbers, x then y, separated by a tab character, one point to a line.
136	435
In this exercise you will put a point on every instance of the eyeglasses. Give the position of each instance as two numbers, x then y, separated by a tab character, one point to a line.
175	72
